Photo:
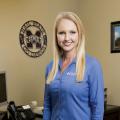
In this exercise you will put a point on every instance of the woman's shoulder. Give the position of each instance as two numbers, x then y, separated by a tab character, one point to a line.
91	60
49	65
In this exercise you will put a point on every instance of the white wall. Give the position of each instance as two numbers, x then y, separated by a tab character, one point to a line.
25	75
97	17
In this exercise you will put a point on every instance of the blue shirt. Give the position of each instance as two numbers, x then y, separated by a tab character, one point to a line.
66	99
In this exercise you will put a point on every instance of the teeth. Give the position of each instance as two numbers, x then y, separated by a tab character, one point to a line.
68	43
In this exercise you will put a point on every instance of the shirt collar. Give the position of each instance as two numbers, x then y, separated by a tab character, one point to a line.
60	62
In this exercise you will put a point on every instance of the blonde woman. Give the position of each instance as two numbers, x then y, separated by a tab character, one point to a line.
74	87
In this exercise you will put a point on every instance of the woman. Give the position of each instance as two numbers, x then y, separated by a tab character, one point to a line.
74	84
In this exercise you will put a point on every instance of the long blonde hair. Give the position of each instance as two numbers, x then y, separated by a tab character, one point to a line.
80	62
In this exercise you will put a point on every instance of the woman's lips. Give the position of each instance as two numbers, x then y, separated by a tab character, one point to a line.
67	43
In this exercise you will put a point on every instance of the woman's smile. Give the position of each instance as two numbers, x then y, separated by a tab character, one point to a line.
67	43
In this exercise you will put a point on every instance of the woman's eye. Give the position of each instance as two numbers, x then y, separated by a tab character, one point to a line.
72	32
60	33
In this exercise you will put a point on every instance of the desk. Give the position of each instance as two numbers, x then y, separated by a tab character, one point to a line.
112	112
3	115
38	116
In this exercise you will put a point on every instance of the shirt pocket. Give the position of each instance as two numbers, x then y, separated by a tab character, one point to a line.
80	90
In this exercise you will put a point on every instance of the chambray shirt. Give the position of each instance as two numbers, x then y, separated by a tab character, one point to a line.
66	99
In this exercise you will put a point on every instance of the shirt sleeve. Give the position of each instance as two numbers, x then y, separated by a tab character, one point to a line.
96	91
47	107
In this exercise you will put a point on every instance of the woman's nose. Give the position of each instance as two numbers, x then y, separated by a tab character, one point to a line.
66	36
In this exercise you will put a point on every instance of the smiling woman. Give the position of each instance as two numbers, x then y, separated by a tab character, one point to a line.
73	77
67	39
67	36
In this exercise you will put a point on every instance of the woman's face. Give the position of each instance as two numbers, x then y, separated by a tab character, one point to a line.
67	35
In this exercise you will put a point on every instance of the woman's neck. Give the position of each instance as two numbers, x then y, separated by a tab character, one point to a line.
67	59
69	56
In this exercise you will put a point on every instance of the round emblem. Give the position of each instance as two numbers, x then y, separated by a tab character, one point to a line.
33	38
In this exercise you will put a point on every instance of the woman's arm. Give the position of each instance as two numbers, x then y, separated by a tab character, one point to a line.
47	105
96	91
47	111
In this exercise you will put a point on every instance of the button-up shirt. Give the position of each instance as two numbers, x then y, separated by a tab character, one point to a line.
67	99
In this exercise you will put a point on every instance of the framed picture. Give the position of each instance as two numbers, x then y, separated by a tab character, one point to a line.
115	37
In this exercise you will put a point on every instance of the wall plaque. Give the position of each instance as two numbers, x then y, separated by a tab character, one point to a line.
33	38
